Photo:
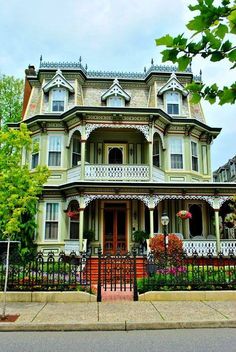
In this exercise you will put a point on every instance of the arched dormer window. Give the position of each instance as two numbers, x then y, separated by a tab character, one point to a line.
172	103
173	91
59	98
58	88
115	95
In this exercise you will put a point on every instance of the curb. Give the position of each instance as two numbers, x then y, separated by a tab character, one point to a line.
117	326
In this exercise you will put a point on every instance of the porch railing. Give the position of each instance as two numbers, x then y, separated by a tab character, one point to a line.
117	172
204	247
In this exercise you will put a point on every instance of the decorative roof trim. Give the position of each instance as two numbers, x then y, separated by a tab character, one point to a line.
58	81
173	84
115	90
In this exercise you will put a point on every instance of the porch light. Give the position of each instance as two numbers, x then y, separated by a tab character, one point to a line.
165	219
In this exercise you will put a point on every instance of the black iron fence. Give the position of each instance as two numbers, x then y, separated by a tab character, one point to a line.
52	272
180	272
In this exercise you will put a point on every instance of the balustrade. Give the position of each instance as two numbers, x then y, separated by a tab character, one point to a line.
117	172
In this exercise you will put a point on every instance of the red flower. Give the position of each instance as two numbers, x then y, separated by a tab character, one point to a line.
73	214
184	214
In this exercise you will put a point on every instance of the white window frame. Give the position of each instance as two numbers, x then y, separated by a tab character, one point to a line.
46	220
182	148
110	98
72	149
52	100
156	140
61	150
179	102
195	156
35	139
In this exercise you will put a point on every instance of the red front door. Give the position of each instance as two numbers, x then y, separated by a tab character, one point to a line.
114	229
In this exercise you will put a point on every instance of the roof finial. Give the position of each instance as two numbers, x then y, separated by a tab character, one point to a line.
200	75
80	59
86	67
145	70
41	58
152	62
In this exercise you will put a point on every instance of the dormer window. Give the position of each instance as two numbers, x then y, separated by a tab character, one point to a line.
115	96
59	98
172	103
116	101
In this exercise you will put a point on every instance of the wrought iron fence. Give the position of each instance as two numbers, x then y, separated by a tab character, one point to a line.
53	272
181	272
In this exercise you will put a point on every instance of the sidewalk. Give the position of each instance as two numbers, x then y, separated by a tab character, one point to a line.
124	315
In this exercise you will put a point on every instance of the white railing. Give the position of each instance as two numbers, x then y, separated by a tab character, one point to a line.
203	247
117	172
158	175
73	246
73	174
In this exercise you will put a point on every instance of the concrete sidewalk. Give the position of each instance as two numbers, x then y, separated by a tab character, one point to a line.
120	315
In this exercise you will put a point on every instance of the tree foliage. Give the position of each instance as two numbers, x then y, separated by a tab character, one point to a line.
11	97
213	30
19	187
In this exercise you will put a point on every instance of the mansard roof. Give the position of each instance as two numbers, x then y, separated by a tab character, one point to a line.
58	81
115	89
173	84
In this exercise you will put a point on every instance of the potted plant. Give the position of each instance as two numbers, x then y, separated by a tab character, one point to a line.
230	220
89	235
140	237
184	214
73	214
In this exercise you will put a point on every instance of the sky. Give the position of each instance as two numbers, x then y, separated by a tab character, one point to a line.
117	35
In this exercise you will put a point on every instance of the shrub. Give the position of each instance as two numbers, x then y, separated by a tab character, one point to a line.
174	248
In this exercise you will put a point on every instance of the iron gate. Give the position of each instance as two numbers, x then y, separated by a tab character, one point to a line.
117	273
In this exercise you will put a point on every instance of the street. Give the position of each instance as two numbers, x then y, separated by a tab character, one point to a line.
194	340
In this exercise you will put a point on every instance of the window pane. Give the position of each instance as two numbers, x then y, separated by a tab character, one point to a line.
35	160
58	94
116	101
55	143
194	163
173	109
52	211
176	161
54	159
176	146
194	148
58	105
74	230
172	97
51	231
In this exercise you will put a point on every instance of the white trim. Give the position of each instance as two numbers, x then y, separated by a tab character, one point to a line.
58	81
191	156
115	90
173	84
66	98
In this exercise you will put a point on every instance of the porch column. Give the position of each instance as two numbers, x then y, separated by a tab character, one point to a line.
217	229
82	169
150	159
151	213
81	229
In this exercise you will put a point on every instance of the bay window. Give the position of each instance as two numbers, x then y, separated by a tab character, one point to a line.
54	151
51	221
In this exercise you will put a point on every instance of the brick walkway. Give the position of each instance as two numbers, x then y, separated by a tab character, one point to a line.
117	295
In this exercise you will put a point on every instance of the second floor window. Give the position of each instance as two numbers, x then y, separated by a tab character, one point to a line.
115	101
194	156
173	103
76	151
51	221
156	153
35	153
176	153
54	151
58	100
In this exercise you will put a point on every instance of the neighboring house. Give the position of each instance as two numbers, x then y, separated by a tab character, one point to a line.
122	148
227	172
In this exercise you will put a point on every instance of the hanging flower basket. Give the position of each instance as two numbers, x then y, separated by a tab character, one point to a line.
184	214
73	214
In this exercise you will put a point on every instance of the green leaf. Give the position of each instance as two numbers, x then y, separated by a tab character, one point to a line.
197	24
221	30
217	56
227	95
195	98
183	62
166	40
226	46
213	41
232	21
232	55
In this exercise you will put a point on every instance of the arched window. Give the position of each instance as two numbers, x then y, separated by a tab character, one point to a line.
156	152
195	224
115	156
116	101
76	150
59	98
172	103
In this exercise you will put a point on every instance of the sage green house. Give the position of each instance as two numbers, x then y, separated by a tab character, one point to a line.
121	148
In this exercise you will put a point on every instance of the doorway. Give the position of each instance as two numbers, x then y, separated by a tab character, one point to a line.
115	228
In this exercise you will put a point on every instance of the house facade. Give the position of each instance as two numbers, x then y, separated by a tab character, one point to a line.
226	172
121	148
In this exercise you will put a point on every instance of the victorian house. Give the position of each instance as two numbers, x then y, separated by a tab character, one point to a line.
121	148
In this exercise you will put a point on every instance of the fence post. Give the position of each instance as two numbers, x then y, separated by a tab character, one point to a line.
135	276
99	290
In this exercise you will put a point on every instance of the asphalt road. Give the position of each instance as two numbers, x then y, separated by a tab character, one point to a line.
196	340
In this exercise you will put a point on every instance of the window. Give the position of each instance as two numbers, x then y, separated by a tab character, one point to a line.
115	101
35	153
156	153
54	152
76	150
172	103
58	100
176	153
74	222
51	221
194	156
